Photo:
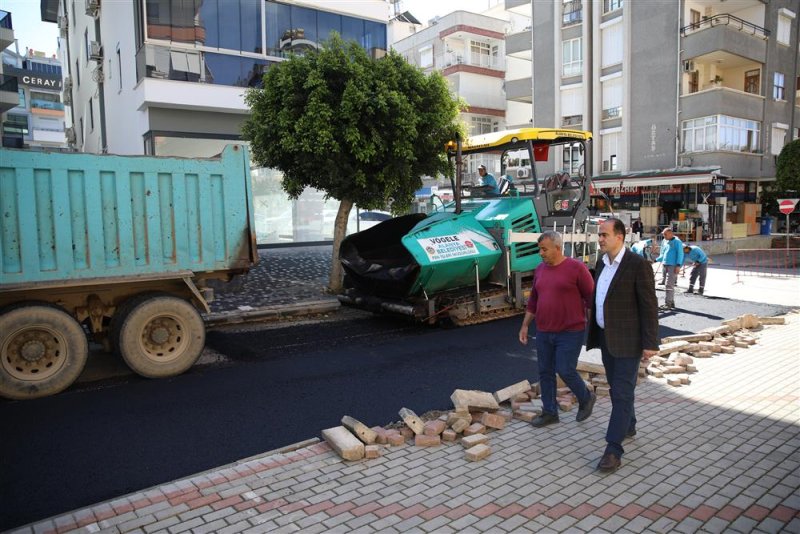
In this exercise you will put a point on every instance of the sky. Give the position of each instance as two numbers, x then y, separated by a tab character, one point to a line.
31	32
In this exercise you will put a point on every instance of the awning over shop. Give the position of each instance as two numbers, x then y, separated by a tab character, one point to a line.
680	176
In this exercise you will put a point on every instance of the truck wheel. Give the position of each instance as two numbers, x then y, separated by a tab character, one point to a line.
161	336
43	351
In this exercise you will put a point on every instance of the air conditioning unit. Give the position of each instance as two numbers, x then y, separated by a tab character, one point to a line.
63	25
70	135
95	51
93	8
97	74
688	66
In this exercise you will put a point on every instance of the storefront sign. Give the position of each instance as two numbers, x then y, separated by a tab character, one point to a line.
717	184
34	80
740	187
625	190
669	189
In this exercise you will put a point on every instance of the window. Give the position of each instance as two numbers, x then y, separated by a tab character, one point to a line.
752	81
86	43
784	33
610	152
612	45
22	98
480	54
572	12
15	124
571	57
426	56
571	107
779	87
720	132
481	125
572	160
611	5
778	138
612	98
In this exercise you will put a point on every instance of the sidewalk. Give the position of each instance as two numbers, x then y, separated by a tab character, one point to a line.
721	454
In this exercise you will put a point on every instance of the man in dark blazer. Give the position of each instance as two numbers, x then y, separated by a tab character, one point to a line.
624	326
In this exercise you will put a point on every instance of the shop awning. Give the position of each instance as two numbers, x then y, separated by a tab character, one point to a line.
655	178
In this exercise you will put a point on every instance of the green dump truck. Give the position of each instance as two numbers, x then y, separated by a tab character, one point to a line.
119	248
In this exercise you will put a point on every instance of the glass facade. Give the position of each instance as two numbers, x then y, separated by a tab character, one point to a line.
721	132
223	42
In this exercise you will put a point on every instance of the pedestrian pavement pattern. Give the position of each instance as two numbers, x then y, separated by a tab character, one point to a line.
719	455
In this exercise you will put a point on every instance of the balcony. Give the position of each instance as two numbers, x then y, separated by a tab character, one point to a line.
9	92
572	13
722	101
6	30
451	59
519	44
725	33
612	113
519	90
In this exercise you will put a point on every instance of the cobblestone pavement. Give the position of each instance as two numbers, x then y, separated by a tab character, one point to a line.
721	454
282	276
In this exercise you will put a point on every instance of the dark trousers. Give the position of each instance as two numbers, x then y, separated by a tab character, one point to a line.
699	269
557	352
621	374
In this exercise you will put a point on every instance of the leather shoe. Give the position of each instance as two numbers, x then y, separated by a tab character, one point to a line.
585	411
609	463
544	420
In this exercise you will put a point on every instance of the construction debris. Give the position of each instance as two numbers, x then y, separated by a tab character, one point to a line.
412	421
473	400
362	431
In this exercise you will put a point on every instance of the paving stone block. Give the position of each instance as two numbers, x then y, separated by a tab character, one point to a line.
674	381
473	400
372	451
602	391
459	425
395	438
380	435
524	416
406	432
344	443
491	420
412	420
422	440
449	435
474	428
702	336
511	391
475	439
478	452
675	346
772	320
434	428
359	429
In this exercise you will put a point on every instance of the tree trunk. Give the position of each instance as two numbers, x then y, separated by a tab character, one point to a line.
339	231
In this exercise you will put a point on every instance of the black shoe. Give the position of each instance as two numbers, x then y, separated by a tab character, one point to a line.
585	411
690	290
631	432
666	307
609	463
700	291
544	420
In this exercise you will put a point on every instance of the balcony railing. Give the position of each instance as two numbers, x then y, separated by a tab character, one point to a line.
612	113
489	62
46	104
5	20
726	20
573	13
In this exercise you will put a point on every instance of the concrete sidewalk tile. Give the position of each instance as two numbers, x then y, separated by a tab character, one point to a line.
756	512
743	524
607	510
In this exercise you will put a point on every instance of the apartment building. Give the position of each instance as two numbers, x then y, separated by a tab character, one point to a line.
9	89
689	100
468	49
168	78
37	122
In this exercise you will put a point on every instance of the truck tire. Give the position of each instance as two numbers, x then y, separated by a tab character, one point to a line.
42	351
161	336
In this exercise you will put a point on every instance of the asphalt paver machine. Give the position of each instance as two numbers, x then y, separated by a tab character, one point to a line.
471	260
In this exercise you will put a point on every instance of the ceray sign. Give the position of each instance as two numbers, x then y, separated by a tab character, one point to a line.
786	205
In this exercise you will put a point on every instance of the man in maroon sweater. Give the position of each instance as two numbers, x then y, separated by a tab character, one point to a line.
561	294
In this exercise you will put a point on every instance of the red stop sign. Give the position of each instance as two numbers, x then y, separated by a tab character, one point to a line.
786	206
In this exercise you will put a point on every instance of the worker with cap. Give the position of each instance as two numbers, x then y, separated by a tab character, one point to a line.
487	180
642	248
698	256
671	259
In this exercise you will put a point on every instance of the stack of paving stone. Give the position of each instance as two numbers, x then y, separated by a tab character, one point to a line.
675	360
475	415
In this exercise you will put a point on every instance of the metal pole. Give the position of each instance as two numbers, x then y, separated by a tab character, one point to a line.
787	234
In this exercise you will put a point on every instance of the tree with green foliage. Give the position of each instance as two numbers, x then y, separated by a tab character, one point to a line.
362	130
787	179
